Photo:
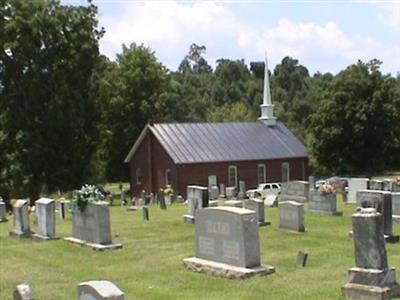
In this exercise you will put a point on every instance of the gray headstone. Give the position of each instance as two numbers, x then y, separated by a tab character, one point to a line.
356	184
212	180
294	191
291	216
388	185
99	290
396	204
301	259
369	244
3	212
21	218
257	206
382	202
396	187
375	184
311	182
63	209
228	235
161	200
371	278
145	212
179	199
222	191
22	292
242	190
231	192
319	203
234	203
214	192
45	211
93	224
197	197
168	199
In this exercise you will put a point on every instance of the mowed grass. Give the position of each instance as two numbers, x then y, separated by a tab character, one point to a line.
150	264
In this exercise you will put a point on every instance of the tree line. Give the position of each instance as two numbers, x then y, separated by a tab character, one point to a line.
69	115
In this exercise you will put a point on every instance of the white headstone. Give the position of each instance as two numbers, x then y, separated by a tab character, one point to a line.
45	211
356	184
99	290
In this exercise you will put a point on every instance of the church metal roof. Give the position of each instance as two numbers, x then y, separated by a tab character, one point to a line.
217	142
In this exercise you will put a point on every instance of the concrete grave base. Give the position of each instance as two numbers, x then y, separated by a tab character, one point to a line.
97	247
224	270
234	203
290	230
325	213
132	208
188	219
213	203
391	239
21	235
371	284
265	223
38	237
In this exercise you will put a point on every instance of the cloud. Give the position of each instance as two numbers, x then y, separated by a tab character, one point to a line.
390	15
169	27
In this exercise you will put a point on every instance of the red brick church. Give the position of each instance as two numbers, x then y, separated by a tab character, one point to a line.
180	154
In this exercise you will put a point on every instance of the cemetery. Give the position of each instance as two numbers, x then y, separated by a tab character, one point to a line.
163	257
129	174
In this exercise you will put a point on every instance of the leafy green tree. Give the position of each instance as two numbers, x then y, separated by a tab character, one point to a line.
47	117
355	129
133	91
290	84
235	112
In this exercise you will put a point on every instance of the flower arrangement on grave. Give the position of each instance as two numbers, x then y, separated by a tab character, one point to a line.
326	189
87	194
168	191
397	180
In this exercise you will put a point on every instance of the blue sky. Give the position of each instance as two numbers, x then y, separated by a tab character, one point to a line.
324	36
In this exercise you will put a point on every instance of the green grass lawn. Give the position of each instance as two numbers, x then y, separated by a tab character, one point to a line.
150	264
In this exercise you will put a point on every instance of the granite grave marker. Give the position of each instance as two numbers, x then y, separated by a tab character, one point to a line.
294	191
382	202
227	243
371	277
197	197
322	204
257	206
21	220
354	185
3	212
291	216
91	227
99	290
45	211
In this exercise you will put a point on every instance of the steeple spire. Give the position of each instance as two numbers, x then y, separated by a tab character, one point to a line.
267	109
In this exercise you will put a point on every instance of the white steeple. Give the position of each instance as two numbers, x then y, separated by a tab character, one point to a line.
267	109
